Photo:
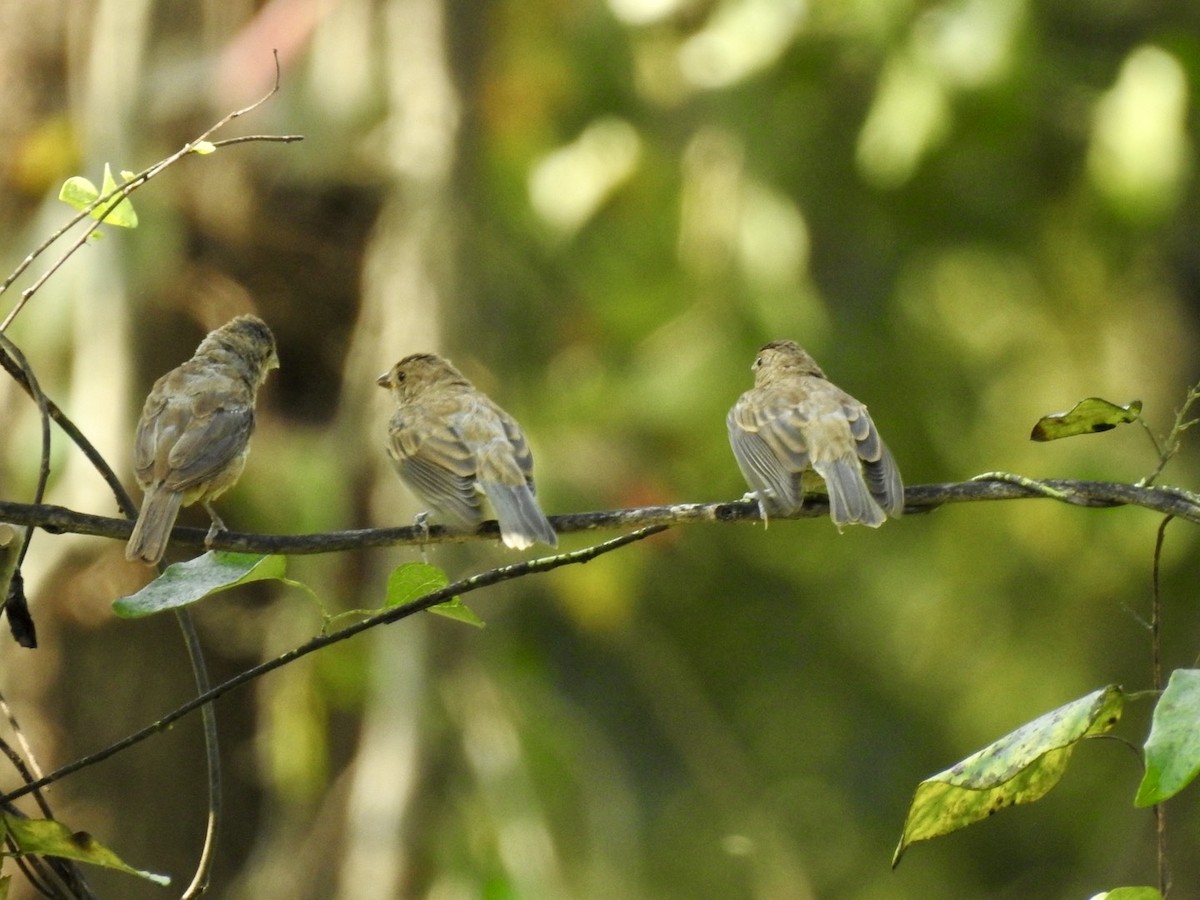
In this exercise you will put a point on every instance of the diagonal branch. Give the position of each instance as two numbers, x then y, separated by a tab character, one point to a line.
394	614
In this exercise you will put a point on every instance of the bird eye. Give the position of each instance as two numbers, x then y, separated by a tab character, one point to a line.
400	376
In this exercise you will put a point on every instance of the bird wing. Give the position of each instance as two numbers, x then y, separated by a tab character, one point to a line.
519	446
505	474
191	430
882	473
431	456
770	449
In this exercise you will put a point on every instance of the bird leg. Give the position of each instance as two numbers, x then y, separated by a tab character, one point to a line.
215	529
421	520
762	506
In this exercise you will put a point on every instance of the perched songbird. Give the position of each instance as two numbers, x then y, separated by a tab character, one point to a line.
195	429
450	443
794	419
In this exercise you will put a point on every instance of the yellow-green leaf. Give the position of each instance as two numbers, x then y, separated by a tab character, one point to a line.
459	611
203	148
46	837
1085	417
1021	767
78	192
122	214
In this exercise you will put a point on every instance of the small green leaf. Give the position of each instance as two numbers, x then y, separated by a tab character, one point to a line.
459	611
1130	893
203	148
412	581
78	192
187	582
127	176
1021	767
1173	747
122	215
46	837
1085	417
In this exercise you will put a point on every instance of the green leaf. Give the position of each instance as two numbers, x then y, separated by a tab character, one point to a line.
203	148
46	837
412	581
80	193
186	582
122	215
1085	417
1130	893
459	611
1021	767
1173	747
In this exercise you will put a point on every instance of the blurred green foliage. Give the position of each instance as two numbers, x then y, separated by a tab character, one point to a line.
972	213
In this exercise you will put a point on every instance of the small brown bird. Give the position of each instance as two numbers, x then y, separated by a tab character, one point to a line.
194	434
794	419
450	443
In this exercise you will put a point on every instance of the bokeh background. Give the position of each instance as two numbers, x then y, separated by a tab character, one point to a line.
972	212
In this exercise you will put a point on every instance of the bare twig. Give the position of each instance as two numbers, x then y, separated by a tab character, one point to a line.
109	201
1168	446
1160	811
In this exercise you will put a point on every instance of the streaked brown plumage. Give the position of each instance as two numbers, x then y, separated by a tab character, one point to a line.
450	442
194	434
794	419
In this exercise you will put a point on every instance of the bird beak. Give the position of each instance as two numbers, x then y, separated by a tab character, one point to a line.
382	380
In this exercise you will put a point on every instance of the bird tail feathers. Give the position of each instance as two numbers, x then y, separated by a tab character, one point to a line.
849	499
152	530
522	521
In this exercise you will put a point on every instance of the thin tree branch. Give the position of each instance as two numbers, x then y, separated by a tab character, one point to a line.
1156	675
394	614
1168	446
109	201
922	498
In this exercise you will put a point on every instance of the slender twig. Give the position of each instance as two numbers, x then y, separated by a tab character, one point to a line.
109	201
1168	446
394	614
258	138
30	770
1156	673
77	437
12	594
212	756
30	383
